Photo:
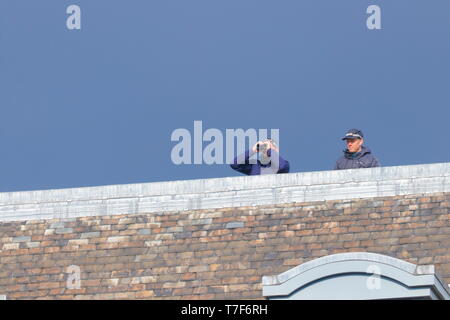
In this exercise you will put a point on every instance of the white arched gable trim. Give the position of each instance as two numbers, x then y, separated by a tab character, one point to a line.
356	275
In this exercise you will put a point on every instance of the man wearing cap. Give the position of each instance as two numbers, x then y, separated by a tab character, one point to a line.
356	155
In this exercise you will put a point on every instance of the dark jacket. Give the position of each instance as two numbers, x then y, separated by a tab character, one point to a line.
242	164
362	159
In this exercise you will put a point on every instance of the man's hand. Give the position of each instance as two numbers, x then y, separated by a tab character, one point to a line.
272	145
268	143
255	147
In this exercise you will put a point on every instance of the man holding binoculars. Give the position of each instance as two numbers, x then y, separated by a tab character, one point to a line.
270	161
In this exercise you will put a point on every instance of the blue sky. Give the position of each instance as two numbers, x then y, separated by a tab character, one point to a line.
97	106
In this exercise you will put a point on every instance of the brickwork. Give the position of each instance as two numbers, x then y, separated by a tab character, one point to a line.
213	253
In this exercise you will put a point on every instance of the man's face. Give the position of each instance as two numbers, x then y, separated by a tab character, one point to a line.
354	145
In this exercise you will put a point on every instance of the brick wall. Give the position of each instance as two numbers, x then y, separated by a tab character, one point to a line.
215	253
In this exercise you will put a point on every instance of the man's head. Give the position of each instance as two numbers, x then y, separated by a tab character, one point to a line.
354	139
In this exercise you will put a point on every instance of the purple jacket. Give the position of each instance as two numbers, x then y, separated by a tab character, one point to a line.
242	164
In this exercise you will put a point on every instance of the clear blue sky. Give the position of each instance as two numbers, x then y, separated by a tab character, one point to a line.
97	106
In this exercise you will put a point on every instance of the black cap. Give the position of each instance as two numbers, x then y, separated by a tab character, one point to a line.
353	134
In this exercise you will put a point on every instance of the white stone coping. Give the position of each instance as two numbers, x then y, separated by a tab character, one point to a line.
224	192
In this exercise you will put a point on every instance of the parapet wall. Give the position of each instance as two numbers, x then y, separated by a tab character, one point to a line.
216	238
